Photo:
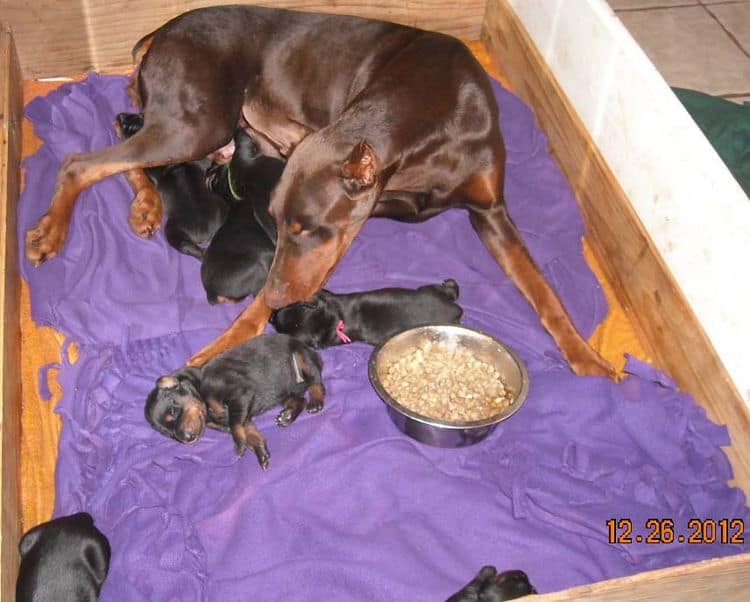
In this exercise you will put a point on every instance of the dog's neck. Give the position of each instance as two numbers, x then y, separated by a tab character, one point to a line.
345	325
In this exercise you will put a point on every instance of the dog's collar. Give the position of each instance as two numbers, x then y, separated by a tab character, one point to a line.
235	196
341	334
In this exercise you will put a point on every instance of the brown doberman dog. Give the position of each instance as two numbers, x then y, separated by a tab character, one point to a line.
376	119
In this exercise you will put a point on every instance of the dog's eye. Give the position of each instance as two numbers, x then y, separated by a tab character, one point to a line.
295	227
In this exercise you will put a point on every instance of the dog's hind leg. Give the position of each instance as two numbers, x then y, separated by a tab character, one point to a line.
490	218
310	369
257	441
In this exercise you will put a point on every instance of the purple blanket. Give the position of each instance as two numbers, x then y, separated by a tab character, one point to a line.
350	509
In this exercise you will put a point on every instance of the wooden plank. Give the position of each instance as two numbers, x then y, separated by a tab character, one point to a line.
10	356
660	313
40	345
70	37
725	579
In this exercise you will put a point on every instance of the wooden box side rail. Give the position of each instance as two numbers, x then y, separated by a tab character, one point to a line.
71	37
642	282
11	107
725	579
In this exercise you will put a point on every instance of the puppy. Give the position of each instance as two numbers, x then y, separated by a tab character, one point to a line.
491	586
193	213
237	261
372	317
235	386
64	559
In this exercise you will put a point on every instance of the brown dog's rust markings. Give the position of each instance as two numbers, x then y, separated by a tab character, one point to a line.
372	130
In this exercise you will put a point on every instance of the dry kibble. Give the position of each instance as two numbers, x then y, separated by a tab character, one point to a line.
447	383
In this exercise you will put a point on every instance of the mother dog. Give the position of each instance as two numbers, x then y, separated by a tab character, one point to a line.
376	119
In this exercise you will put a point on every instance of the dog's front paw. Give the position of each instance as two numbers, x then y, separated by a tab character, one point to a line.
261	452
146	212
45	240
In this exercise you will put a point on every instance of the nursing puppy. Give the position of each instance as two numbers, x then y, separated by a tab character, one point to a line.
237	261
193	213
491	586
234	387
64	559
371	317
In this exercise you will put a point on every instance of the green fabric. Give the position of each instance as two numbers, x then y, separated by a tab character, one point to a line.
726	124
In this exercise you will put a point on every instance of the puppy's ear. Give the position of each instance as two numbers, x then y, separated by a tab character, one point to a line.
193	375
166	382
323	296
361	168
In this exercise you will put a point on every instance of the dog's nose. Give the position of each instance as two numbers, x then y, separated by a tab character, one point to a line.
190	436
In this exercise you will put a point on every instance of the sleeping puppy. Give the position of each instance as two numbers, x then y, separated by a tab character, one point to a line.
237	261
491	586
372	316
64	559
235	386
193	213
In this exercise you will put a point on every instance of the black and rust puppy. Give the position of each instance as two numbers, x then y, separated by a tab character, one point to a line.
237	261
235	386
193	213
491	586
64	559
371	316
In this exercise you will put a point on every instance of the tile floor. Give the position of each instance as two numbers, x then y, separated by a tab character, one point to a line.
698	44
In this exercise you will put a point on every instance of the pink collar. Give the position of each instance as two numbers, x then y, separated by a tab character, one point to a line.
340	332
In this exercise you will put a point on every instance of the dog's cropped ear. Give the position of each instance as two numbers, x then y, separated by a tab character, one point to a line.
360	168
166	382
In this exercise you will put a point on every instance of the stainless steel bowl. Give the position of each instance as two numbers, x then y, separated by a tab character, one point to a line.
484	347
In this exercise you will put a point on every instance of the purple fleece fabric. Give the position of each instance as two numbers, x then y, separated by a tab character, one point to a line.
351	509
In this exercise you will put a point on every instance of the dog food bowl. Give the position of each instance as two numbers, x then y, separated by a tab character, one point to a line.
483	347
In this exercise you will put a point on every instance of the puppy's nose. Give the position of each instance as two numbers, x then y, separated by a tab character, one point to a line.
190	436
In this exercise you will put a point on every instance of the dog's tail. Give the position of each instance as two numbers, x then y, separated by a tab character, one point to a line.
451	289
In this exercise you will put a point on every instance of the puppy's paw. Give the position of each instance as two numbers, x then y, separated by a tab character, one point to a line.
146	212
240	446
45	240
314	406
285	417
261	452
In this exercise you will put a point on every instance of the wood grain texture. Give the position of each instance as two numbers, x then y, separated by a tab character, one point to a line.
660	313
10	350
70	37
723	579
40	425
